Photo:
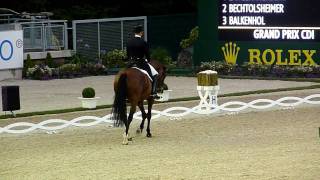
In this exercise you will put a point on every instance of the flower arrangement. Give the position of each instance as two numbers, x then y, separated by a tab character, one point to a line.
162	55
39	72
114	59
93	69
69	70
261	70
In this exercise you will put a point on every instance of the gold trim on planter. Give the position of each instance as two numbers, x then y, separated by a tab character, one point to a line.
207	78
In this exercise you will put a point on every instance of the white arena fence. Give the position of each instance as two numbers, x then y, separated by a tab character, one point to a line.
48	125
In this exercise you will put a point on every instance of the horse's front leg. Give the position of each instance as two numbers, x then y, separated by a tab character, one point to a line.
126	138
144	116
150	103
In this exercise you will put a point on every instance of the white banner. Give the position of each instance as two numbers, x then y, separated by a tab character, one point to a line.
11	49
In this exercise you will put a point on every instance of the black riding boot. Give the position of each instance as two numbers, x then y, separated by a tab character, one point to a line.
154	87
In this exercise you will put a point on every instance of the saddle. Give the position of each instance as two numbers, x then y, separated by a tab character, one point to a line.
135	66
143	71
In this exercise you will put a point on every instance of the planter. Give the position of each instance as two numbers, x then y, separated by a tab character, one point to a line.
164	96
89	103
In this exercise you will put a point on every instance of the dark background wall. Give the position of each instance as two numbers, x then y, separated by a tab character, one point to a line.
95	9
167	31
206	48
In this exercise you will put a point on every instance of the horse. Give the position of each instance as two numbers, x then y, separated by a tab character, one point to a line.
134	86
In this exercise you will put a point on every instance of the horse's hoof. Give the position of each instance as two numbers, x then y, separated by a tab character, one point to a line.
125	139
149	135
125	143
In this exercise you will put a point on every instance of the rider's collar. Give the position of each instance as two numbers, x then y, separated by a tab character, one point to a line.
136	35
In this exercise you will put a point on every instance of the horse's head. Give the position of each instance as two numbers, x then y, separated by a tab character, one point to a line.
162	70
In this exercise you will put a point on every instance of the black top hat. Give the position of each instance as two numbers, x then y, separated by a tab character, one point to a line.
138	29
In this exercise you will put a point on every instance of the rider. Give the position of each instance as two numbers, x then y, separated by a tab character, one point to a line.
138	53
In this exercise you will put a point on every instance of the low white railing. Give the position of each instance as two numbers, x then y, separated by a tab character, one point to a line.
25	127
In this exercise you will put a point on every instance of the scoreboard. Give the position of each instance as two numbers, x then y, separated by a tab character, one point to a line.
280	32
268	20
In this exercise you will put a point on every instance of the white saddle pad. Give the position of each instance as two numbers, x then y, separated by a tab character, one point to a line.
143	71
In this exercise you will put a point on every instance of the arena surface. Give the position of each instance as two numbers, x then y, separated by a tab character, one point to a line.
274	144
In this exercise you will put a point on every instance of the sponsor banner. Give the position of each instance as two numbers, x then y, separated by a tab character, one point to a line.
257	53
11	49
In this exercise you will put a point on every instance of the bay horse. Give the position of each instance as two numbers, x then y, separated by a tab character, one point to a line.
134	86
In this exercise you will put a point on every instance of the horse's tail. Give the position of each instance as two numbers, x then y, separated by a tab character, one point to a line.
119	108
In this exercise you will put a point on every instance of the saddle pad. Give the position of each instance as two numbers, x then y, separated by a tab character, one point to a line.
143	71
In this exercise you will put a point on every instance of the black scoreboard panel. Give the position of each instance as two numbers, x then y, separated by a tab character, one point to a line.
281	20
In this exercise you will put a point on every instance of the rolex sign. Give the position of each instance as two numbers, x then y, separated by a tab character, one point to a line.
11	49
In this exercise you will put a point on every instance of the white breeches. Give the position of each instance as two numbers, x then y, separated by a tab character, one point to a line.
153	71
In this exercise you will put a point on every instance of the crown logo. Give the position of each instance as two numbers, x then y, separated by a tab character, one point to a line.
230	52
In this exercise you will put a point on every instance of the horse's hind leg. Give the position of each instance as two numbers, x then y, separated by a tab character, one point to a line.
144	116
150	103
126	138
